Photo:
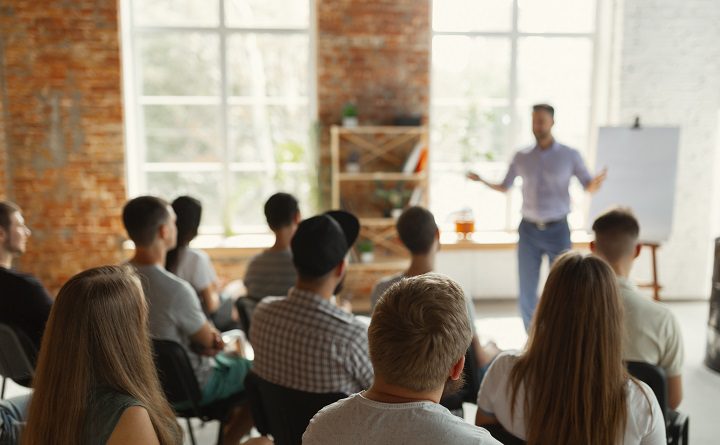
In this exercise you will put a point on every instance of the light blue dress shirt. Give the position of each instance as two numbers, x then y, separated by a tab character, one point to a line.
546	177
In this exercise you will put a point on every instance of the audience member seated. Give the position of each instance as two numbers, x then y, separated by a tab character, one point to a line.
175	312
304	341
96	382
652	334
420	235
570	385
417	338
194	265
271	273
24	303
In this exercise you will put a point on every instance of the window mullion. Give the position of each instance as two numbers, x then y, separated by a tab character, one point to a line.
512	134
226	182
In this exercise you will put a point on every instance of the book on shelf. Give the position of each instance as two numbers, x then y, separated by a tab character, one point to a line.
411	162
416	197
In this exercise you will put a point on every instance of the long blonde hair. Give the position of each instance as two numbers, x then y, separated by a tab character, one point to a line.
572	369
97	335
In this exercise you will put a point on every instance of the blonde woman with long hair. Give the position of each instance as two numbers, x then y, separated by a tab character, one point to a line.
570	385
95	381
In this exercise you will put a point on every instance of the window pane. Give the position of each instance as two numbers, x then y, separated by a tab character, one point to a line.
179	64
472	15
451	192
205	186
267	14
268	65
469	133
556	16
269	134
556	71
182	133
175	12
470	67
247	195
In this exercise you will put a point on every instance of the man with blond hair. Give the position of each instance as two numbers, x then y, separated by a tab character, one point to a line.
417	340
652	334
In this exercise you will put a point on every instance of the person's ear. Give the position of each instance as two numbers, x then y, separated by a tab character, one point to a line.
340	268
162	232
457	369
638	248
3	235
297	218
593	247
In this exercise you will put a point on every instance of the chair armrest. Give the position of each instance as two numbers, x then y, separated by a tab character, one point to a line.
678	425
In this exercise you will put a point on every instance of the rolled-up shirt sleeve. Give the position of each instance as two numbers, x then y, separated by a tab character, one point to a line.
580	170
511	174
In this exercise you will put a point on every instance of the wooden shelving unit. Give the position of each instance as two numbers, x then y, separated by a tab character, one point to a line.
381	153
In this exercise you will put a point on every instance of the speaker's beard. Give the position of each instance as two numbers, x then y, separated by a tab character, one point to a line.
453	386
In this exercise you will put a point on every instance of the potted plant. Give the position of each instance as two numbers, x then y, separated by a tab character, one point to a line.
350	115
394	199
365	247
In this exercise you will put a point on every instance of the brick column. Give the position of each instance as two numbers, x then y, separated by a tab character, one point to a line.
62	112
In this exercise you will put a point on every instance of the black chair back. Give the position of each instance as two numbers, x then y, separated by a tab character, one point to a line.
16	354
654	377
176	374
245	307
502	435
283	412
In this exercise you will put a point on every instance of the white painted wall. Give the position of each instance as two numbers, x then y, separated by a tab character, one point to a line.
670	75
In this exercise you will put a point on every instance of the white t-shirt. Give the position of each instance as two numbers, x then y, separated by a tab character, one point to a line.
358	420
652	333
645	423
194	266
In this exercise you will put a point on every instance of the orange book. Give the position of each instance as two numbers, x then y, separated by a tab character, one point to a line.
422	161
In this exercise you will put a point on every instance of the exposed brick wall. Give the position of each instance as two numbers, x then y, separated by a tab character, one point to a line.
64	133
375	54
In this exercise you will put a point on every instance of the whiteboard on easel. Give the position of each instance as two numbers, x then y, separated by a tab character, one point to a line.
642	169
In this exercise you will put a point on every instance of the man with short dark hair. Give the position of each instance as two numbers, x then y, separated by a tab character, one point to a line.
305	341
652	334
24	302
175	312
546	169
418	336
419	232
271	273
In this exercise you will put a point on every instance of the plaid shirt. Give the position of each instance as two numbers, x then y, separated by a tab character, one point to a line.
305	342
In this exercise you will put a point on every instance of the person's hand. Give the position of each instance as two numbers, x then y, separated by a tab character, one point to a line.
218	343
597	181
473	176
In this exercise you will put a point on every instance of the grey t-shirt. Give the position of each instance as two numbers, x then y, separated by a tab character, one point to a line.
358	420
385	284
175	313
270	274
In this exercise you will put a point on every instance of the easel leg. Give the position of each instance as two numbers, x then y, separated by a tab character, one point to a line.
655	284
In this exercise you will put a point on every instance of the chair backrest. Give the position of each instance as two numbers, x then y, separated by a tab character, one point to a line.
283	412
176	373
502	435
15	354
245	307
654	377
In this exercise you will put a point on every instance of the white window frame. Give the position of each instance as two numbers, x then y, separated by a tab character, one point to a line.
137	168
601	103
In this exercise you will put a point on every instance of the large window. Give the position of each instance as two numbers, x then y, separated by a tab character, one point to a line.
491	61
218	104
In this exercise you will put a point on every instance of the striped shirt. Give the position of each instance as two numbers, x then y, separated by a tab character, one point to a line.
305	342
270	273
